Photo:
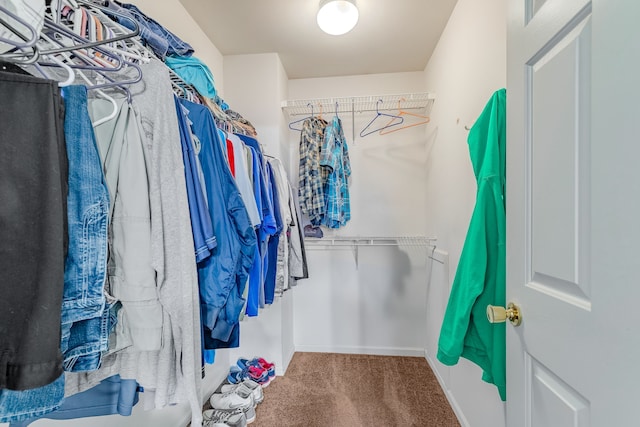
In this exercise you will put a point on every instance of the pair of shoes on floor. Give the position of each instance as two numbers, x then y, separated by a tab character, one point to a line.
258	362
256	369
234	406
261	365
247	386
218	418
258	375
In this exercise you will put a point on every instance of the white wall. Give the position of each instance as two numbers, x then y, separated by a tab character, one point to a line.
254	86
283	93
369	84
372	301
467	66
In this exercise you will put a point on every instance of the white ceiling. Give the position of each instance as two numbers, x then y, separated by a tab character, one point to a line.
391	35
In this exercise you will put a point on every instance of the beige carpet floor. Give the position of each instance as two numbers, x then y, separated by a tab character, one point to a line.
348	390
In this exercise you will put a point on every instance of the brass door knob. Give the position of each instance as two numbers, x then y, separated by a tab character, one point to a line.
497	314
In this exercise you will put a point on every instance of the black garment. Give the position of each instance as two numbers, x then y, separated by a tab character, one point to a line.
12	68
33	230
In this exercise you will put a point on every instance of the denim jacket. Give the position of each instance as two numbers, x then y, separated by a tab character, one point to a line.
162	41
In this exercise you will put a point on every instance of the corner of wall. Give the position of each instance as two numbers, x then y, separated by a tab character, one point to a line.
283	92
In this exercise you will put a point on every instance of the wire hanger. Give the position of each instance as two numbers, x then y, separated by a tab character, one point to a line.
310	105
90	60
423	120
31	44
91	85
92	44
73	51
100	56
129	48
27	41
15	54
68	40
379	114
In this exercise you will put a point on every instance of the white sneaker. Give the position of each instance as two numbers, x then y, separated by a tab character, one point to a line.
237	399
248	385
216	418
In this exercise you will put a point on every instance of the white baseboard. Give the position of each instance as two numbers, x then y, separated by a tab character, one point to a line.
380	351
450	397
286	360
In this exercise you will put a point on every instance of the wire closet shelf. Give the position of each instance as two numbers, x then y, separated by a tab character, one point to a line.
418	241
356	242
359	104
421	102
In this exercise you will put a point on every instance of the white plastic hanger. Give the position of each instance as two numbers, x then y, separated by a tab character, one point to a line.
71	75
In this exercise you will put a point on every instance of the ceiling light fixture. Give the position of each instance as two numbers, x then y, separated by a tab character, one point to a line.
337	17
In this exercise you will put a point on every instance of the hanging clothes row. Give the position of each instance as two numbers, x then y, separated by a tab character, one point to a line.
153	218
324	171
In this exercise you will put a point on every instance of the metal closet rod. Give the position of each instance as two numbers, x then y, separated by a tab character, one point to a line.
354	243
371	241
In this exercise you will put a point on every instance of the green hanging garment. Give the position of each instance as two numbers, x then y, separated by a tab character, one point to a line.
480	277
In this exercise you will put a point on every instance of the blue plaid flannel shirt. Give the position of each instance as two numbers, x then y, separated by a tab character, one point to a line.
335	160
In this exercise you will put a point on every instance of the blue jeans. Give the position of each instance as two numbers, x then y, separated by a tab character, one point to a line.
162	41
85	319
22	405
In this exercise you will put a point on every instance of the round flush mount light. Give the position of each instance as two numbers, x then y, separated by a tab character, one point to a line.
337	17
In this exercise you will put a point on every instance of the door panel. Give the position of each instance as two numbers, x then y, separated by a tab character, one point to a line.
573	212
553	403
548	213
558	149
533	6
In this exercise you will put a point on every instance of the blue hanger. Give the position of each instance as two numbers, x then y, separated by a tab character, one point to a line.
301	120
379	114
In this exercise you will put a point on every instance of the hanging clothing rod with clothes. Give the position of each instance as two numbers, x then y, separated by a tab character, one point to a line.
417	101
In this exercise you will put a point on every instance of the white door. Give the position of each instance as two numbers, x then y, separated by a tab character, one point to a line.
573	212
